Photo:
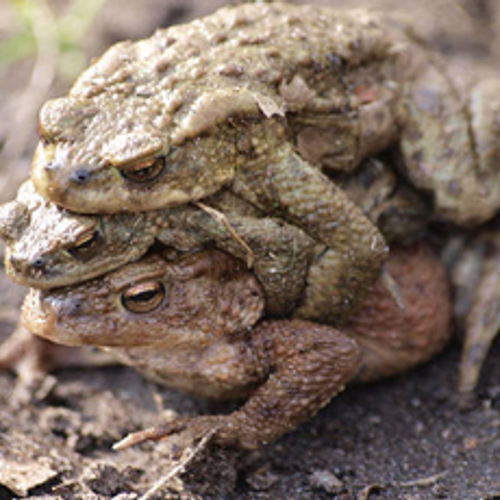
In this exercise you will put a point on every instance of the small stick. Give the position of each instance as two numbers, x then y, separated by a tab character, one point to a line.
393	288
220	217
179	468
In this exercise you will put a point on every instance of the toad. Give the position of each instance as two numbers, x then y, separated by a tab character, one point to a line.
226	102
194	322
260	98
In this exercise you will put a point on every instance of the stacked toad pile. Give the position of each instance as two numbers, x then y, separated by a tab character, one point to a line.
212	136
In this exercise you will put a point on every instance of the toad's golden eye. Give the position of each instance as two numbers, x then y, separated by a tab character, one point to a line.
144	297
86	245
144	171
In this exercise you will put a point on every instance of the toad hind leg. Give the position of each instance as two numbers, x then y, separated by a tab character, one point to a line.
300	365
482	327
303	364
354	248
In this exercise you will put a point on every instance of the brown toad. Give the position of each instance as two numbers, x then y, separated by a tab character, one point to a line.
252	97
195	323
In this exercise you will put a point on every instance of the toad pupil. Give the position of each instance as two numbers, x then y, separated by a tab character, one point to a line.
85	245
144	297
146	173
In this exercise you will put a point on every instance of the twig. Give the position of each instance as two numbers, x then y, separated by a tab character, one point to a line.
179	468
365	493
392	287
423	481
220	217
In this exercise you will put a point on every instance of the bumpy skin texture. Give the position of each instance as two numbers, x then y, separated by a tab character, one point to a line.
47	246
204	335
209	95
336	85
42	247
451	148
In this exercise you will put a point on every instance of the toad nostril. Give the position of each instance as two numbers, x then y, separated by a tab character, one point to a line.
81	176
68	306
38	263
74	306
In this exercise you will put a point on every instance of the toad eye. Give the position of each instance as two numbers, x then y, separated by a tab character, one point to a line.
144	171
143	298
86	245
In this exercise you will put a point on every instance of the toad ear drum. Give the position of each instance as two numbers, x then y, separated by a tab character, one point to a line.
145	171
143	298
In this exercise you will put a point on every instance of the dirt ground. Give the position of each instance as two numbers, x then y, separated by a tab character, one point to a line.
397	439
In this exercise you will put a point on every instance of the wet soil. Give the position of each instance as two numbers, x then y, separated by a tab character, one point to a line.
397	439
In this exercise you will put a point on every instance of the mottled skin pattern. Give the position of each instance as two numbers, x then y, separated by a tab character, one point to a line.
39	255
210	96
193	323
228	98
42	241
334	95
254	98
